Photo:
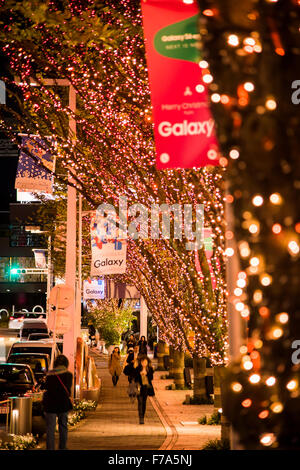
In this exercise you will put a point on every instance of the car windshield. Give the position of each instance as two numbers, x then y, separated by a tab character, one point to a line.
28	349
37	364
36	336
28	331
15	374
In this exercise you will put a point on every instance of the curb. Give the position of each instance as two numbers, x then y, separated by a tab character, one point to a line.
172	434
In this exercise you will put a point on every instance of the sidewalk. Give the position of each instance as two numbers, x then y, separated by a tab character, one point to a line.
188	434
115	423
169	425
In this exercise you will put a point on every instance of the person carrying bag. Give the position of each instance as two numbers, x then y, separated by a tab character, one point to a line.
143	377
57	401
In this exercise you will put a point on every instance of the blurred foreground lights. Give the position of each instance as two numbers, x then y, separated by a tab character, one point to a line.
254	261
216	98
276	229
263	414
276	332
241	283
244	249
200	88
245	313
233	40
236	387
270	381
234	154
239	306
249	86
267	439
264	311
247	403
257	200
203	64
238	292
293	248
254	378
277	407
254	228
292	385
282	317
248	365
257	296
229	252
265	280
271	104
207	78
276	199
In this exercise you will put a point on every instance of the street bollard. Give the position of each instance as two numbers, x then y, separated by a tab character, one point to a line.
20	415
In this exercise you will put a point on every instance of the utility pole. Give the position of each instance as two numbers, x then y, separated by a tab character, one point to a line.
70	338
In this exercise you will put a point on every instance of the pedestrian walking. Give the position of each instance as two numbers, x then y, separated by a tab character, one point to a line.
142	344
131	342
130	373
57	401
114	365
143	378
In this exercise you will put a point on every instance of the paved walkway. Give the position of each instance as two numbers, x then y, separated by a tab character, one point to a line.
115	423
169	425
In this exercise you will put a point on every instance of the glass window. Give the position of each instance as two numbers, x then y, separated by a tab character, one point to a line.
15	374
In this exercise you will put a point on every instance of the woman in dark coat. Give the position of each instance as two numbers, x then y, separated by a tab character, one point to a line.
131	342
57	402
143	377
142	344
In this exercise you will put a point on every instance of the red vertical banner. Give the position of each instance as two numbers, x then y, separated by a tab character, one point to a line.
183	125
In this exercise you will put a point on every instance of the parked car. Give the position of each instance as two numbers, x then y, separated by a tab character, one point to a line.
59	343
38	362
32	326
37	336
17	380
41	346
16	318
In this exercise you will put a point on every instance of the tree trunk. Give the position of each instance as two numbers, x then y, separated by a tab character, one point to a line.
171	367
199	365
162	350
218	386
178	367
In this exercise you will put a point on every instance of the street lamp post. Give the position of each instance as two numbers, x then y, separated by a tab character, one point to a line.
71	248
69	345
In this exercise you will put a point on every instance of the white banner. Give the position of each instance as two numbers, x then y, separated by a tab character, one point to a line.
40	259
93	289
108	252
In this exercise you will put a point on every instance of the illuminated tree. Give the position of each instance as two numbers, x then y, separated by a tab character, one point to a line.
113	154
252	50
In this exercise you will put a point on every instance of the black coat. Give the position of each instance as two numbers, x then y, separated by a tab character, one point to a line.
142	347
138	377
56	399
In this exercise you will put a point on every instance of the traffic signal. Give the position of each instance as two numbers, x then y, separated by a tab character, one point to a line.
14	271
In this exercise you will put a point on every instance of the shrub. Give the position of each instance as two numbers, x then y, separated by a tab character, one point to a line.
217	444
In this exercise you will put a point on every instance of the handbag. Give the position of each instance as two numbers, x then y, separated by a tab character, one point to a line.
150	391
132	389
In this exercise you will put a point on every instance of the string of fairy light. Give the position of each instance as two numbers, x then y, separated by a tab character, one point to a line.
258	373
114	155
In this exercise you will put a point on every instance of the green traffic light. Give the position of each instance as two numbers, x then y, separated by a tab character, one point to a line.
14	271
